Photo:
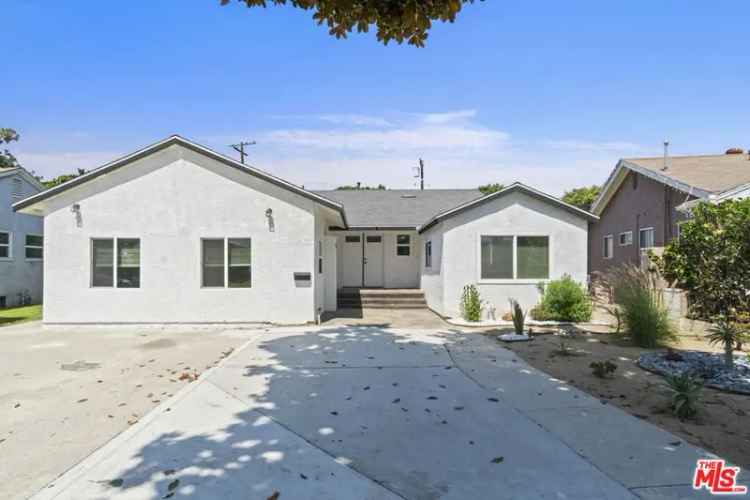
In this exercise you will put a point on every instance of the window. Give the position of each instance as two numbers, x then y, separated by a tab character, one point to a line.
374	239
5	245
514	257
226	261
646	237
124	271
428	254
17	189
626	238
352	239
403	244
608	248
34	246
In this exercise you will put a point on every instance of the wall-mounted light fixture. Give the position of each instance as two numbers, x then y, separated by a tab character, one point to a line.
269	216
76	209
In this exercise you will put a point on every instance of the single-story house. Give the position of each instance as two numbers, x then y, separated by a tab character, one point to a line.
21	241
176	232
644	201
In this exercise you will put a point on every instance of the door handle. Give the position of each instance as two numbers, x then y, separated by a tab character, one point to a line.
364	260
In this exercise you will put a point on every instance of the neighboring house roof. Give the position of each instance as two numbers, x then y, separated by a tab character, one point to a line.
700	176
515	187
8	172
178	140
397	208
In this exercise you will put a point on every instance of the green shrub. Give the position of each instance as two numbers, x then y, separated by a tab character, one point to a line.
471	304
563	300
641	305
686	393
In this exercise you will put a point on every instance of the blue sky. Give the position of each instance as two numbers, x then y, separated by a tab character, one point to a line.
549	93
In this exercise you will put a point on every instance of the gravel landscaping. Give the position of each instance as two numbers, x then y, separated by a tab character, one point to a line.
708	366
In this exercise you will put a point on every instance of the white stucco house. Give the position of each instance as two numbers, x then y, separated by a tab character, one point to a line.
21	241
178	233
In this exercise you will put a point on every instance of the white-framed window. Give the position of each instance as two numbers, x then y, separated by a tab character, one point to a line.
608	247
226	262
34	248
428	254
646	237
514	257
626	238
679	228
6	245
403	245
17	192
116	262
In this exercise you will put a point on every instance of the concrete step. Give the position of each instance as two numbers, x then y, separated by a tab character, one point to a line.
380	298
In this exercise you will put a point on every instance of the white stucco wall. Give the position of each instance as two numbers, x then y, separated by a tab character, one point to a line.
432	277
513	214
170	200
19	275
399	271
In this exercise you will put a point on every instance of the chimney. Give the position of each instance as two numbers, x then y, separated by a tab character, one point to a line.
665	167
734	151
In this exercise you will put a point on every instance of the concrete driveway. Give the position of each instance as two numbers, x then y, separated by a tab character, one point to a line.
356	412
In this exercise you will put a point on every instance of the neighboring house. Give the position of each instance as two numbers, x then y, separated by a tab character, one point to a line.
644	201
21	241
178	233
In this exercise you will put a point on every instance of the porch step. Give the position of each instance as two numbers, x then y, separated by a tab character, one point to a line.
381	299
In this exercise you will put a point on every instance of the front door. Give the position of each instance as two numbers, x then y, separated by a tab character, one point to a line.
352	256
373	261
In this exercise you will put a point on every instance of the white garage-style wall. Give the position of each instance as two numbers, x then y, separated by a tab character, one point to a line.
170	200
456	251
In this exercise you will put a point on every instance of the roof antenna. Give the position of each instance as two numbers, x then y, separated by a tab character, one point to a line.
666	156
240	148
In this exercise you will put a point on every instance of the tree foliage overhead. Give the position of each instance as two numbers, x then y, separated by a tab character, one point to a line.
399	20
56	181
7	160
582	197
360	187
490	188
711	259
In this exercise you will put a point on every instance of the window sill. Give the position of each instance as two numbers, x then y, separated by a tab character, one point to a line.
34	260
6	259
513	281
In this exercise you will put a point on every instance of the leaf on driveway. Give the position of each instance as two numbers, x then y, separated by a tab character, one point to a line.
83	400
173	485
498	460
458	408
432	398
115	483
397	400
274	496
334	413
494	400
366	388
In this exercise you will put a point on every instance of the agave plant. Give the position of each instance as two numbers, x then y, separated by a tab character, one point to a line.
686	393
726	333
519	317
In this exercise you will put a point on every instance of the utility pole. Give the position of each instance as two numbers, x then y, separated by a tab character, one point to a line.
240	148
420	174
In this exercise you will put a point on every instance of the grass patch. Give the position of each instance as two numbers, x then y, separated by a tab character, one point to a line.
20	314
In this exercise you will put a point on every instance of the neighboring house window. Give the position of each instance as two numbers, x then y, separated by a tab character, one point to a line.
608	248
226	261
17	189
116	262
403	244
646	237
5	245
428	254
626	238
34	246
514	257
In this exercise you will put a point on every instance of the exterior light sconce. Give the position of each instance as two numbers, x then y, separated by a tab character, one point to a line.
269	216
76	210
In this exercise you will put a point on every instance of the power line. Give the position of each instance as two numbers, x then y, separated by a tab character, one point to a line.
240	148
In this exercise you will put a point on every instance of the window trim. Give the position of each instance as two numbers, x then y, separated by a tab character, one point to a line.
403	245
515	279
619	239
604	246
115	249
428	254
640	237
9	245
26	246
225	239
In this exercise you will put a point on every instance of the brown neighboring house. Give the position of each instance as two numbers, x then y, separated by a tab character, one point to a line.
638	205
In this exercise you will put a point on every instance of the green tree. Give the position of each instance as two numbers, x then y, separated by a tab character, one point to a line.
7	160
582	197
490	188
711	259
56	181
397	20
360	187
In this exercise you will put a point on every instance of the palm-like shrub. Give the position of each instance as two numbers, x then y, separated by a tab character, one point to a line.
641	305
563	300
471	304
519	317
686	394
727	334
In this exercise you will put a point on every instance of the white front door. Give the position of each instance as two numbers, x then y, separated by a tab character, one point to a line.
373	260
352	260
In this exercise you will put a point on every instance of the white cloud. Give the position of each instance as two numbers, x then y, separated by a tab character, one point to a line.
358	120
447	117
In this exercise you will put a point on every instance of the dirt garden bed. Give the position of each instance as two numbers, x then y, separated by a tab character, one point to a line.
722	425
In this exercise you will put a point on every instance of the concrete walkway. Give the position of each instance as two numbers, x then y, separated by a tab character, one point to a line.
356	412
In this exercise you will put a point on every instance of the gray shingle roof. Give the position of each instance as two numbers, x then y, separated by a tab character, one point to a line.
714	173
397	207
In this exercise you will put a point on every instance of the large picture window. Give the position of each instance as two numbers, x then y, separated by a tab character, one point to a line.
226	262
34	247
5	245
116	262
514	257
